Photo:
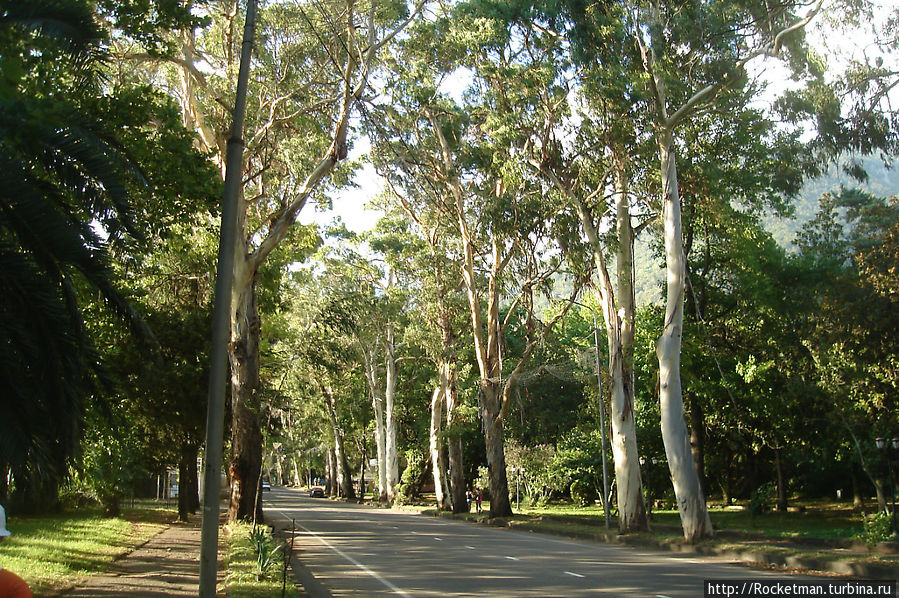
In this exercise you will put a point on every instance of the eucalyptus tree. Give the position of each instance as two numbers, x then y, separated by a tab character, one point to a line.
688	68
466	155
421	252
576	123
313	66
376	273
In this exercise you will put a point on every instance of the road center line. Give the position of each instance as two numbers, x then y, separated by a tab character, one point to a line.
386	582
511	558
573	574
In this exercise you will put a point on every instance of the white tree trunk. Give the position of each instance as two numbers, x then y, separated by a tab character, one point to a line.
620	334
377	404
631	507
438	466
391	457
687	488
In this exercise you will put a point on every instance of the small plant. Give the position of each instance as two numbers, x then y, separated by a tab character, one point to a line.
876	528
267	554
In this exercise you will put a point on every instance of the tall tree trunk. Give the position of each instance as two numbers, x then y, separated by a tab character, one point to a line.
687	488
344	473
488	351
490	403
246	436
377	404
438	465
331	487
620	333
454	441
392	457
296	471
619	322
781	483
343	479
188	482
361	489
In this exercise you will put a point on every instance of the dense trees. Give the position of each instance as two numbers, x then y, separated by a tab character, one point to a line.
526	148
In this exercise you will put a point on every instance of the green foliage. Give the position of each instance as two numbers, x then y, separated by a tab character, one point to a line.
583	492
578	459
255	563
408	488
876	528
761	499
267	554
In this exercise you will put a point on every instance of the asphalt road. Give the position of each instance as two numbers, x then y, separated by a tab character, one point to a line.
352	550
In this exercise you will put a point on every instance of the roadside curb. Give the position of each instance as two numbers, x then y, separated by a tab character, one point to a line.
760	557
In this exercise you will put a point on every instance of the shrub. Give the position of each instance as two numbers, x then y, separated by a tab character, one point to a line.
583	493
876	528
761	498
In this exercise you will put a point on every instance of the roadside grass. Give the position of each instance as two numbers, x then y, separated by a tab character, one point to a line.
243	566
56	552
814	519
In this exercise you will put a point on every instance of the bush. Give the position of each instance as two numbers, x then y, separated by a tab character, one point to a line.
583	493
408	488
876	528
761	498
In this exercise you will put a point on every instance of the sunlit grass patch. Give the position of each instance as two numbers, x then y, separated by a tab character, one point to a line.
57	551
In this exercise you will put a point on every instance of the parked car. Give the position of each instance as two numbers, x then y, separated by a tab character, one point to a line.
316	493
266	485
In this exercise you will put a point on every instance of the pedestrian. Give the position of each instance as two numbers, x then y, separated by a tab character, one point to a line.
468	498
11	585
479	498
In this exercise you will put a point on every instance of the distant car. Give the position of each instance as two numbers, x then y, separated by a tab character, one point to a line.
266	485
316	493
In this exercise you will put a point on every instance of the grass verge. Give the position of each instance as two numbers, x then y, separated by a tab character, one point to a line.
56	552
251	575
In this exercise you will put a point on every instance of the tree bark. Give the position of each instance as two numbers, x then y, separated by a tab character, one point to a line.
781	483
620	333
246	436
188	482
619	322
454	441
492	424
687	488
391	456
377	404
438	465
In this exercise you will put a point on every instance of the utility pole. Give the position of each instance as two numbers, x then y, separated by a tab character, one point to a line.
221	325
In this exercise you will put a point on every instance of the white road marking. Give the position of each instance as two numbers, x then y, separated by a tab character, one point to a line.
470	547
438	539
511	558
386	582
573	574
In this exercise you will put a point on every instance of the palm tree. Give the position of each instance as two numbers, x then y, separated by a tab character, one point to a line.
63	180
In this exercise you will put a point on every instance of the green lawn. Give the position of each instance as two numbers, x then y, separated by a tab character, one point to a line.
55	552
816	520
